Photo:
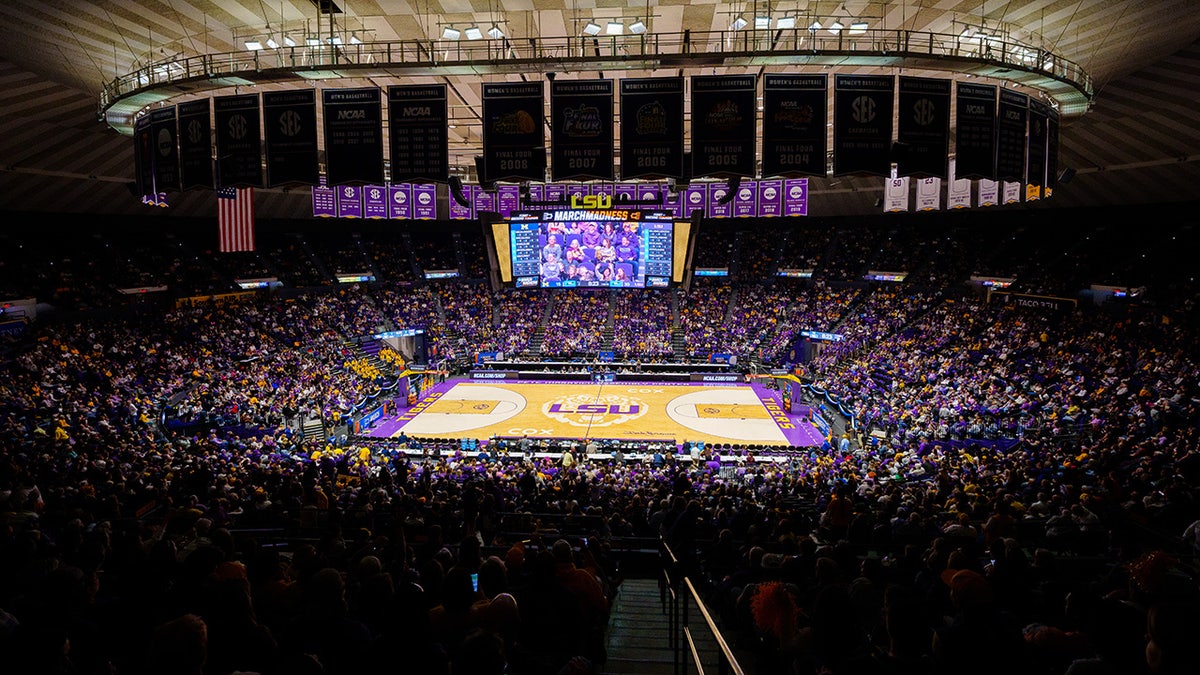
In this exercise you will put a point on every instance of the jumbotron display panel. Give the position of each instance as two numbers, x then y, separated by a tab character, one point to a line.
582	248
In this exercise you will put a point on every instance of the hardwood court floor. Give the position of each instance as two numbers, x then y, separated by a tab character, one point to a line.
657	411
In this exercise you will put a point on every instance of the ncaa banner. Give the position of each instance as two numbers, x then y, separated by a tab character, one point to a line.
607	189
693	199
166	152
239	141
482	201
958	190
458	211
195	144
795	199
652	127
418	146
1035	168
650	195
425	201
514	132
375	202
581	130
989	192
895	194
862	127
1012	192
723	125
770	198
400	201
794	128
324	200
508	199
1010	136
923	127
353	135
624	193
719	203
143	156
745	202
291	130
975	131
576	192
556	193
349	200
929	193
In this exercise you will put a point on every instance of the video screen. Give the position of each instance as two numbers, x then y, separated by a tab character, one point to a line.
573	248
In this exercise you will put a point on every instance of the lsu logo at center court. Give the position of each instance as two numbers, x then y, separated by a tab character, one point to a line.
585	410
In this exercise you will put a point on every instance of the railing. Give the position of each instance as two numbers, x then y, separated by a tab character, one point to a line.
704	648
751	47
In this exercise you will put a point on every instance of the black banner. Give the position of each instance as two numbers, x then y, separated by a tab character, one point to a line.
514	132
239	141
1010	136
862	127
195	144
143	155
353	136
581	130
723	125
1051	152
975	135
652	127
292	152
923	128
1035	168
794	125
418	143
166	151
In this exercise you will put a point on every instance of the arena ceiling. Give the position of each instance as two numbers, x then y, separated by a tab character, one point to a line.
1139	144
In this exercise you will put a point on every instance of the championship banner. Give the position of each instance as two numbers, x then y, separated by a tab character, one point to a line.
353	135
195	144
723	125
576	192
795	200
693	199
718	193
794	125
239	141
1010	136
508	199
375	202
923	127
623	193
1035	167
929	193
652	127
535	196
425	201
1051	152
650	195
514	133
1011	192
400	201
166	153
324	199
989	192
975	131
143	155
862	127
482	201
895	197
958	190
581	130
418	146
607	189
745	202
458	211
770	198
291	129
349	200
556	193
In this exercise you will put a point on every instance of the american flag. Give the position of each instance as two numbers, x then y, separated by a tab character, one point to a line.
235	219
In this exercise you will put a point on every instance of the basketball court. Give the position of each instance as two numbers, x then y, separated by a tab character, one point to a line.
662	412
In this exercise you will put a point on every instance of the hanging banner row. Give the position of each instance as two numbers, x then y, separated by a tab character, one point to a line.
883	125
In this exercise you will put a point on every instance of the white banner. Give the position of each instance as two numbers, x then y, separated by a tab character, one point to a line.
1012	193
895	194
929	194
958	191
989	192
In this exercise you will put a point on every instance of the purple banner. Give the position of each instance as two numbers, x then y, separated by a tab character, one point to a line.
537	192
400	201
795	201
693	199
375	201
349	198
483	201
745	203
556	193
458	211
425	201
770	198
324	200
625	192
508	197
649	195
604	189
576	191
674	203
717	193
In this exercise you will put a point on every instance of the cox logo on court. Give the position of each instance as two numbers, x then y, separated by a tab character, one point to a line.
586	410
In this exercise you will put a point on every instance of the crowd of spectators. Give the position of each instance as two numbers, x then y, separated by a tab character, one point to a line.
576	324
642	325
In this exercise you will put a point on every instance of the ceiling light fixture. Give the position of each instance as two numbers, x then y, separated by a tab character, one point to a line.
271	43
858	27
637	27
312	41
451	33
762	22
816	26
836	27
495	33
287	40
253	45
473	33
739	23
614	28
592	28
786	22
354	38
334	40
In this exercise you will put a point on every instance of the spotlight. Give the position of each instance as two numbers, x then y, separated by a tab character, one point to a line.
816	26
739	23
592	28
335	40
354	39
495	33
451	33
762	22
253	45
614	28
637	27
858	27
287	40
312	41
836	27
473	33
786	22
272	44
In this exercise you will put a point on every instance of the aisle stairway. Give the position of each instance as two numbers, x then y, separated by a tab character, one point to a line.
638	638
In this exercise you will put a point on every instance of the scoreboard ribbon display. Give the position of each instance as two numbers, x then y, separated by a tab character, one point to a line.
514	137
581	129
862	129
652	127
195	144
923	129
417	122
292	153
794	126
353	135
723	123
239	141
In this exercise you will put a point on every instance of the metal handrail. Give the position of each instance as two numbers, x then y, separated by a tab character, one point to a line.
678	624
